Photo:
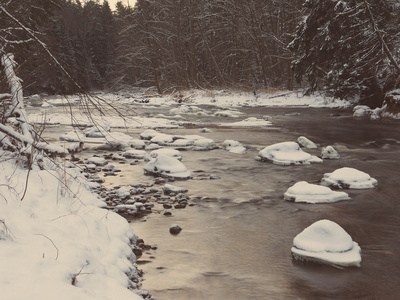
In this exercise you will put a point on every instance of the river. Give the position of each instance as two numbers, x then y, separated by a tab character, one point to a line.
236	238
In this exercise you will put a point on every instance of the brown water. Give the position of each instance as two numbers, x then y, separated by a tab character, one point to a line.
236	240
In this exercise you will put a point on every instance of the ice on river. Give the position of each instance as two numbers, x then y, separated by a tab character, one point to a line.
349	178
311	193
326	242
286	153
166	166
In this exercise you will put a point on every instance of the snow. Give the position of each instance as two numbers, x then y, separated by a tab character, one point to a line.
233	146
249	122
203	145
165	151
60	244
329	152
137	154
286	153
326	242
306	143
166	166
349	178
311	193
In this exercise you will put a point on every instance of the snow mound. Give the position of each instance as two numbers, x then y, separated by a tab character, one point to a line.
329	153
169	188
166	166
306	143
203	145
227	113
162	139
311	193
349	178
164	151
98	161
326	242
137	154
148	134
233	146
286	153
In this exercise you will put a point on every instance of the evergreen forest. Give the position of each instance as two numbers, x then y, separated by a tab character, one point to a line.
348	48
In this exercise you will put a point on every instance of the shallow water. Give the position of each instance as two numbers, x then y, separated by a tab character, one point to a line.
236	239
235	242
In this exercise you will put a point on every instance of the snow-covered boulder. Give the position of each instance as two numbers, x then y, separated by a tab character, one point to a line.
162	139
166	166
169	188
98	161
326	242
96	131
227	113
329	153
165	151
286	153
362	111
203	144
136	154
233	146
306	143
311	193
148	134
349	178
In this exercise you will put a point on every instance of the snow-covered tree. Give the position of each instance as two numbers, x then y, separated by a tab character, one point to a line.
340	47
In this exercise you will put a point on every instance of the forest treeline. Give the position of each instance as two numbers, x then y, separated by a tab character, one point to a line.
173	44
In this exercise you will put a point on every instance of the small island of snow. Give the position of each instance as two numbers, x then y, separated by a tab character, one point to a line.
286	153
349	178
326	242
311	193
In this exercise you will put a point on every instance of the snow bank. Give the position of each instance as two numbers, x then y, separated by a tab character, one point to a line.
60	243
286	153
311	193
349	178
326	242
166	166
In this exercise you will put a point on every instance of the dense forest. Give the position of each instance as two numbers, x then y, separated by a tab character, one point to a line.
345	47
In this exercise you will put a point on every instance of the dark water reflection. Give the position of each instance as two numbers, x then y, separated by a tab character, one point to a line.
236	240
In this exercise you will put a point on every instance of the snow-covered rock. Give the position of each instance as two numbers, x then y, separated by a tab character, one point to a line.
349	178
137	154
362	111
286	153
326	242
233	146
227	113
249	122
311	193
98	161
162	139
203	144
166	166
329	152
165	151
148	134
169	188
306	143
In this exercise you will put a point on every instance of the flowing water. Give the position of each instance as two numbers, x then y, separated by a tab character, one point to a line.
236	239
